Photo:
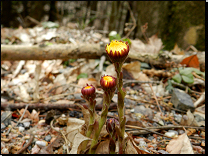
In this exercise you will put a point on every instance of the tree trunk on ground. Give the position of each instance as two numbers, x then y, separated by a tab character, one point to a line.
90	51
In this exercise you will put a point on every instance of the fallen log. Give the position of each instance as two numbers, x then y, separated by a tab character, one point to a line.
42	106
90	51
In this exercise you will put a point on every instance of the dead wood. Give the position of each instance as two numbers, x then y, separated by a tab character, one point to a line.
90	51
42	106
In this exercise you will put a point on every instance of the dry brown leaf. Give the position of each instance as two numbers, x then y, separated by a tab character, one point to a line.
142	77
34	116
139	151
74	126
83	81
26	115
155	44
59	141
110	70
138	46
180	145
78	139
103	147
133	68
177	50
36	96
190	120
86	114
130	148
24	95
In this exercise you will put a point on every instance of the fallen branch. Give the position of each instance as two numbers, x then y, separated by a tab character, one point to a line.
14	106
27	145
85	50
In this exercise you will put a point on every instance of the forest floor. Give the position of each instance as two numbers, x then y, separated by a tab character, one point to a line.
40	112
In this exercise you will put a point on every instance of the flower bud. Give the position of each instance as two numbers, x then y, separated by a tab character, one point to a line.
110	125
88	92
117	51
108	83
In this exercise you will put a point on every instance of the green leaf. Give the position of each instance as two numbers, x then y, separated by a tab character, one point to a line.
82	75
169	87
177	78
113	35
128	40
144	66
197	71
116	37
188	78
185	71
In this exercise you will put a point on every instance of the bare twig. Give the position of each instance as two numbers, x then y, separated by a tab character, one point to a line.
155	99
200	100
142	128
65	141
19	67
164	127
144	28
197	76
26	146
23	114
184	87
51	124
137	81
133	19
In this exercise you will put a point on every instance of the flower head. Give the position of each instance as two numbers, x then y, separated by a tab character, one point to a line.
108	83
110	125
117	50
88	92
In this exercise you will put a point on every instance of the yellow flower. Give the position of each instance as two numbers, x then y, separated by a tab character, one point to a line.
117	51
108	82
88	92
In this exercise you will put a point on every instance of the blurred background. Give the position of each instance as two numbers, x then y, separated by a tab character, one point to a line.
181	22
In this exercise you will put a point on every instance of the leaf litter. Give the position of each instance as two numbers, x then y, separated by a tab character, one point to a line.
54	82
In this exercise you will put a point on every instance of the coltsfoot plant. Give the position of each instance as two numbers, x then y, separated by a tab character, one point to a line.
117	52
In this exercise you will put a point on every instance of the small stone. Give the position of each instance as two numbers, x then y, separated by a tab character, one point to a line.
6	117
181	100
69	97
150	138
155	124
29	148
78	96
137	140
48	138
5	151
20	125
42	143
173	131
142	144
26	124
27	137
129	102
64	147
198	118
161	123
180	131
162	152
145	111
21	129
178	117
132	110
99	101
2	126
110	113
170	134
